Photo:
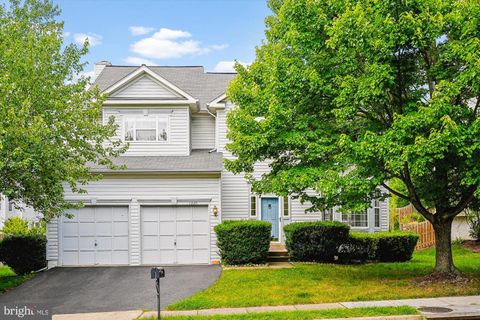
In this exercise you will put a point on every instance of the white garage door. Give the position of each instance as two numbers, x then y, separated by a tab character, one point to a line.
95	236
175	234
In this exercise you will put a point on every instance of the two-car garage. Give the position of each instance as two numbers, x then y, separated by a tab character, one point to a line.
169	234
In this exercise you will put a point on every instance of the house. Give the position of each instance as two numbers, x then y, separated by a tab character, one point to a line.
9	210
162	209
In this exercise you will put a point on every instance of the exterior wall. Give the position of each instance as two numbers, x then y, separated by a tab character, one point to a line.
236	192
8	211
179	130
135	190
460	228
202	131
145	87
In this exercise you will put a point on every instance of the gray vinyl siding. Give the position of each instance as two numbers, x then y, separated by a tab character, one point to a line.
203	131
145	87
179	125
52	243
135	190
236	191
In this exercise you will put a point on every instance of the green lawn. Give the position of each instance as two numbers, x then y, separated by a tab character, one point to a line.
306	315
320	283
8	278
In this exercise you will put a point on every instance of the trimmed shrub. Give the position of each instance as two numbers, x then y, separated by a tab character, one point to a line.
360	247
15	226
315	241
24	253
395	246
244	241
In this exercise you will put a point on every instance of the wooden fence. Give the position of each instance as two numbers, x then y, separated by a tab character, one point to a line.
423	229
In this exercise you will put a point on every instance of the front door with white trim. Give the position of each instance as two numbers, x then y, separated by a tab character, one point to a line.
175	235
270	213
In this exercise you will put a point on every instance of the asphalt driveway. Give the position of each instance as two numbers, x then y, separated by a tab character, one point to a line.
99	289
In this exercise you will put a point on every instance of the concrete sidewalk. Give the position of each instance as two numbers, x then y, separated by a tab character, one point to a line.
467	307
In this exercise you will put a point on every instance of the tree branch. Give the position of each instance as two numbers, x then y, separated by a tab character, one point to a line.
413	197
398	194
463	203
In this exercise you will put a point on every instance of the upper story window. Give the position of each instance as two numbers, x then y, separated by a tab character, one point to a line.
146	128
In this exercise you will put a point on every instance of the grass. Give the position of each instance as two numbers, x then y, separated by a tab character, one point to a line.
306	315
322	283
8	279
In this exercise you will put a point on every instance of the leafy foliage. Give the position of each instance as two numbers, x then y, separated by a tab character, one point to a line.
18	226
395	246
315	241
15	226
24	253
360	247
244	241
344	96
50	124
473	220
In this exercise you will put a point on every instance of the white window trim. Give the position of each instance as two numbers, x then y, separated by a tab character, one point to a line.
375	206
150	117
358	227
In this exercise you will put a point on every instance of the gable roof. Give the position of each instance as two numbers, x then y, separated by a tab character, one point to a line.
193	80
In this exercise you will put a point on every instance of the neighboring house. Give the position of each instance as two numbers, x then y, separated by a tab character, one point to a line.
162	209
460	228
9	210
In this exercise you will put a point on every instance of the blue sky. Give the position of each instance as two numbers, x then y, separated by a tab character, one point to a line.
211	33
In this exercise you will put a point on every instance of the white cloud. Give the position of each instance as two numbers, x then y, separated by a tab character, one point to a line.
168	43
139	30
138	61
90	74
66	34
227	66
93	39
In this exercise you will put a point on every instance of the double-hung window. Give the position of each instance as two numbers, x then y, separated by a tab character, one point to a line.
146	128
376	207
356	219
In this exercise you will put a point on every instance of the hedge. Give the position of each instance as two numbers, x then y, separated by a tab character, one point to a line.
395	246
360	247
24	253
244	241
315	241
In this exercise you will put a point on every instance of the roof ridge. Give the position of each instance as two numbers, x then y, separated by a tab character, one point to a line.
125	66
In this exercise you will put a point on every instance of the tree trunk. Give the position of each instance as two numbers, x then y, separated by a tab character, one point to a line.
443	234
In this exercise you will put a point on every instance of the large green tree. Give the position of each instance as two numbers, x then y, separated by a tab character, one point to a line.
50	124
345	95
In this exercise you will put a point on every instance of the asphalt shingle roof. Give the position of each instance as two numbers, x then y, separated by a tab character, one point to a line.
197	161
201	85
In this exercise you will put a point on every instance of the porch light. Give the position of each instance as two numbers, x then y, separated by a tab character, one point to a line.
215	211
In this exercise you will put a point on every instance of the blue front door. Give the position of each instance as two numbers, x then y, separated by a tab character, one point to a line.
270	214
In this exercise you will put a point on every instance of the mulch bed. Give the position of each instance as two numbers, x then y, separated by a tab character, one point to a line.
472	245
449	278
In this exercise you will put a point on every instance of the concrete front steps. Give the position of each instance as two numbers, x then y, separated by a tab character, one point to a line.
277	253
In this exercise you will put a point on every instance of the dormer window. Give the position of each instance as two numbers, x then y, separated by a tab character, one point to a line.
146	128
